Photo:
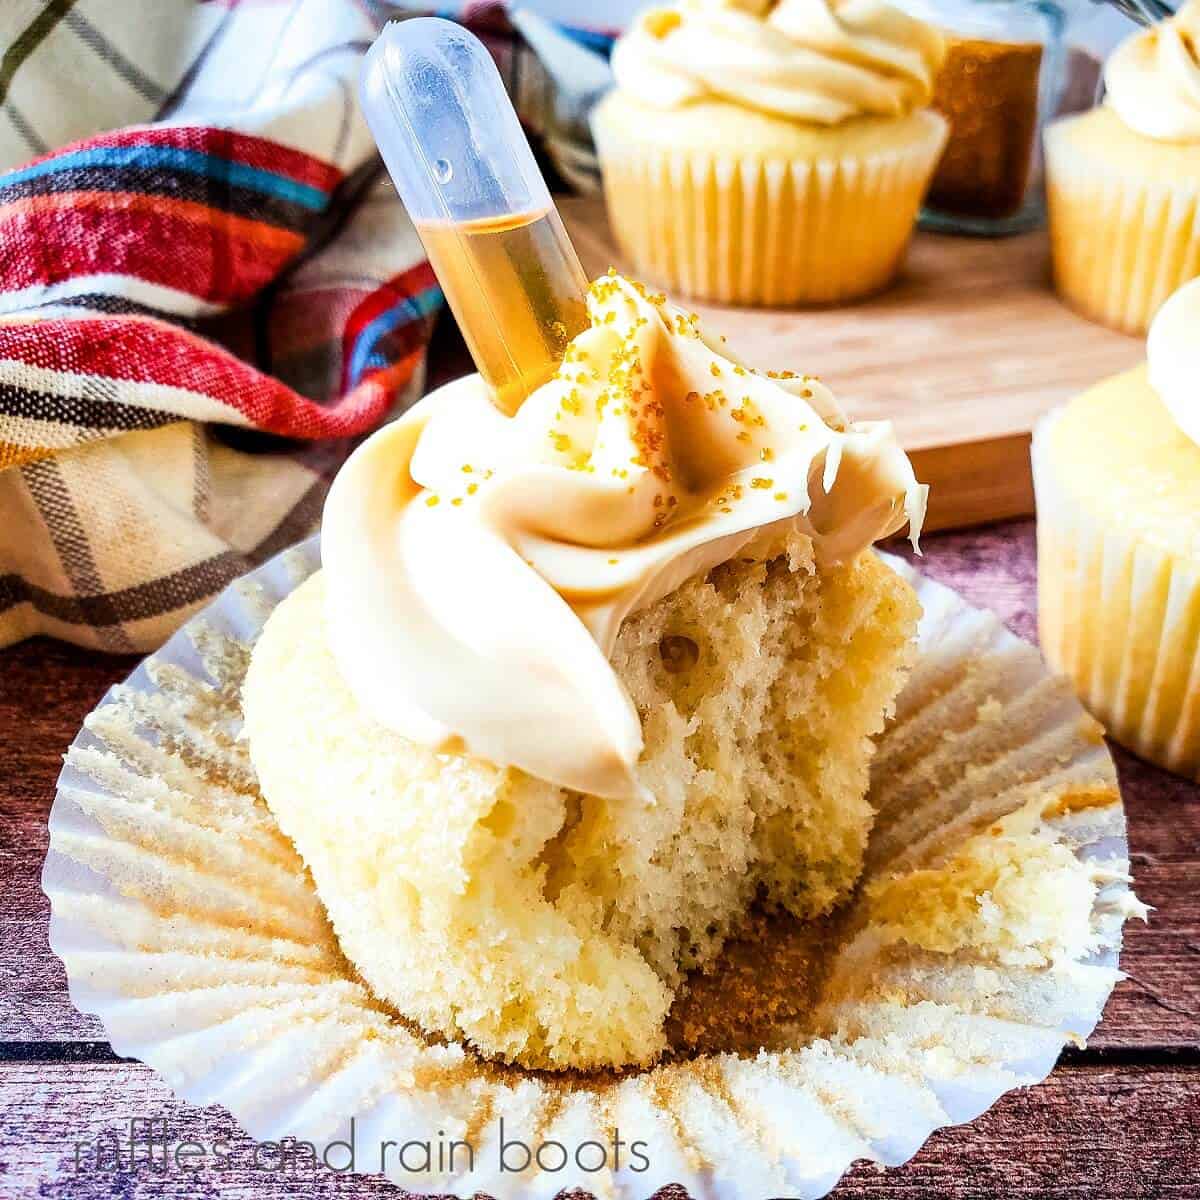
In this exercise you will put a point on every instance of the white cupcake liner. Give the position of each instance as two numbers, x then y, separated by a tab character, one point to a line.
747	230
1121	245
188	926
1121	617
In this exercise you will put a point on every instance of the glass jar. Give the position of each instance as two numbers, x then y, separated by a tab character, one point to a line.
1005	76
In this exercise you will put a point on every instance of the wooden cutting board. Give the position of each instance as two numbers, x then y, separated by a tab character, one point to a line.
964	355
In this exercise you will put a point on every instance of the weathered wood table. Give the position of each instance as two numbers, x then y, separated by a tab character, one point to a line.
1118	1120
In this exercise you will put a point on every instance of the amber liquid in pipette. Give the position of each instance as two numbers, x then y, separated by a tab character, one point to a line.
517	292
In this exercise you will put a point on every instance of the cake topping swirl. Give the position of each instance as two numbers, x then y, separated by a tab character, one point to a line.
1173	350
821	61
1153	78
479	565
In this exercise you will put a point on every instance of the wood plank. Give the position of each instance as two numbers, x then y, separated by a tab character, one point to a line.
46	689
1087	1132
1158	1005
50	687
964	354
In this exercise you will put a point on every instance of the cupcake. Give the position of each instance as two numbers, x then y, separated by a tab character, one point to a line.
1117	473
577	686
769	153
1123	181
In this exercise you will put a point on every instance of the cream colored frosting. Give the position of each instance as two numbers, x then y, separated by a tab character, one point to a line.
1173	350
1153	78
479	565
821	61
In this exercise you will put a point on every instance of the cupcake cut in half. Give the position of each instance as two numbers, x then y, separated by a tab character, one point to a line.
770	153
578	686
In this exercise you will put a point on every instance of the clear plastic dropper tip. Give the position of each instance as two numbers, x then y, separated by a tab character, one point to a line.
456	152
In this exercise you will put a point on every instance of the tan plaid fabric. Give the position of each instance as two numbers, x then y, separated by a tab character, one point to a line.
198	313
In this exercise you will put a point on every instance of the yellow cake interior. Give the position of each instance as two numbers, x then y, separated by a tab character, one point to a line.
552	928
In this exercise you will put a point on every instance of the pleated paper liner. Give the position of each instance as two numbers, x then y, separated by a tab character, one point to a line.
754	231
1121	244
1121	617
189	926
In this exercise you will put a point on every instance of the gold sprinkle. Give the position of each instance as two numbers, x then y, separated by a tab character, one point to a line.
714	369
430	501
781	495
472	488
766	454
467	468
759	482
456	501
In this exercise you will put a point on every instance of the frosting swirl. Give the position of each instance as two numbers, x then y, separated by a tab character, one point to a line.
1153	78
479	565
1173	350
820	61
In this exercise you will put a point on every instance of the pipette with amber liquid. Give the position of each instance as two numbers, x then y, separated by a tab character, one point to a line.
460	161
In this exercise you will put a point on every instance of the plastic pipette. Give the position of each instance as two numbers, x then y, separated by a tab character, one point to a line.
460	161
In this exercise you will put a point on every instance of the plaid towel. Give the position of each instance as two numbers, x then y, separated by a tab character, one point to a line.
197	311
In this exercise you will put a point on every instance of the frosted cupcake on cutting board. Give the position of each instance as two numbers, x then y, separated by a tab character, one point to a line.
1123	181
1117	473
770	152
